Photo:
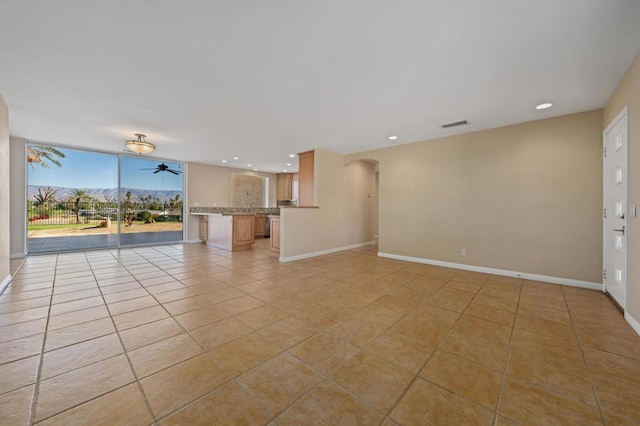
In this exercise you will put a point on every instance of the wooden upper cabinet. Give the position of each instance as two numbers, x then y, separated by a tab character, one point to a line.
305	176
284	186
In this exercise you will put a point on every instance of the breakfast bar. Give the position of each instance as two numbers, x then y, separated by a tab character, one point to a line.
232	228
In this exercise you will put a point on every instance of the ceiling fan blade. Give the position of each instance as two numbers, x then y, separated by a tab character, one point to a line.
173	171
153	168
157	171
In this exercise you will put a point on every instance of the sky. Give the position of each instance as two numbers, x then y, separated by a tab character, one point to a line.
84	169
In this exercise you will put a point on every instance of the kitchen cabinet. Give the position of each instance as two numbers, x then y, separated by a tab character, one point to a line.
260	225
295	188
305	176
284	186
204	228
274	239
231	232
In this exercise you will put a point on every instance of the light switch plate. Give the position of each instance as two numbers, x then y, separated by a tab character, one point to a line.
633	212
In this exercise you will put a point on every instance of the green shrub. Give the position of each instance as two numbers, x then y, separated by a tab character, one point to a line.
143	216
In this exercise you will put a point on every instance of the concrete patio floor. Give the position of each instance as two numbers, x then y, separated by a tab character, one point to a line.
85	242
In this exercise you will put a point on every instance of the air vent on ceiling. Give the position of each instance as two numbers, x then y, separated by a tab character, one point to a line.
457	123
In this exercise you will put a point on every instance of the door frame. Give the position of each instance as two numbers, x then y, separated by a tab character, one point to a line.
622	115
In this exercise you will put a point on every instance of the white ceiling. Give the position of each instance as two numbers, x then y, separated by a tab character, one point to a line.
209	80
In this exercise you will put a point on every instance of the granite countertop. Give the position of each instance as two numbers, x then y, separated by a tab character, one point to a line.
234	210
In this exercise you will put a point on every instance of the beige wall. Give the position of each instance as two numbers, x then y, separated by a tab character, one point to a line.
5	161
628	94
523	198
18	196
211	186
345	216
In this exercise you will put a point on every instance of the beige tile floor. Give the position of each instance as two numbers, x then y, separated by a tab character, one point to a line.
186	334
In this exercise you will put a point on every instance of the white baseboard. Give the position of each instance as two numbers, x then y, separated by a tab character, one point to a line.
193	241
5	283
323	252
632	322
524	275
17	255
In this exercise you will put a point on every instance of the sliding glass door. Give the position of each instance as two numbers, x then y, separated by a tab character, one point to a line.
72	199
78	200
150	201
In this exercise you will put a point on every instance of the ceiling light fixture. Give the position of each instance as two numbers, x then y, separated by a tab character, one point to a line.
248	165
255	170
288	164
544	106
292	155
224	161
235	158
393	138
140	144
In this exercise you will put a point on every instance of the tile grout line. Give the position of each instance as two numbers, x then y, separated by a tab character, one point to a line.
221	368
506	359
234	379
417	375
231	379
36	389
328	379
584	360
464	357
124	349
180	325
82	341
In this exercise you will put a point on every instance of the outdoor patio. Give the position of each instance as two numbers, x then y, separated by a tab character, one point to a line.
86	242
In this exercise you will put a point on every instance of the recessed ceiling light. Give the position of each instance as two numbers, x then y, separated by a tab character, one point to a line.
224	161
248	165
255	170
285	170
544	105
393	138
288	164
292	155
235	158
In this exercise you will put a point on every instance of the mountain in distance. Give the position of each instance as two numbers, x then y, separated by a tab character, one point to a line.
107	194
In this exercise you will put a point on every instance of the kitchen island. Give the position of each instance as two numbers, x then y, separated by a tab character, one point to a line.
230	228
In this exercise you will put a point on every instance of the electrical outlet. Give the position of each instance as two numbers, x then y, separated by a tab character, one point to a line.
463	252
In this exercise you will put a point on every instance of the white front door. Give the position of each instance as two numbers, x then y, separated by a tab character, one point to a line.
616	138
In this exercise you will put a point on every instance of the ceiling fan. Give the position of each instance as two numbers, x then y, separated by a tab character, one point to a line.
164	168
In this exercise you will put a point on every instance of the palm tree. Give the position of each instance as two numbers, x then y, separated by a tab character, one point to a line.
127	204
175	202
45	195
43	154
77	196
